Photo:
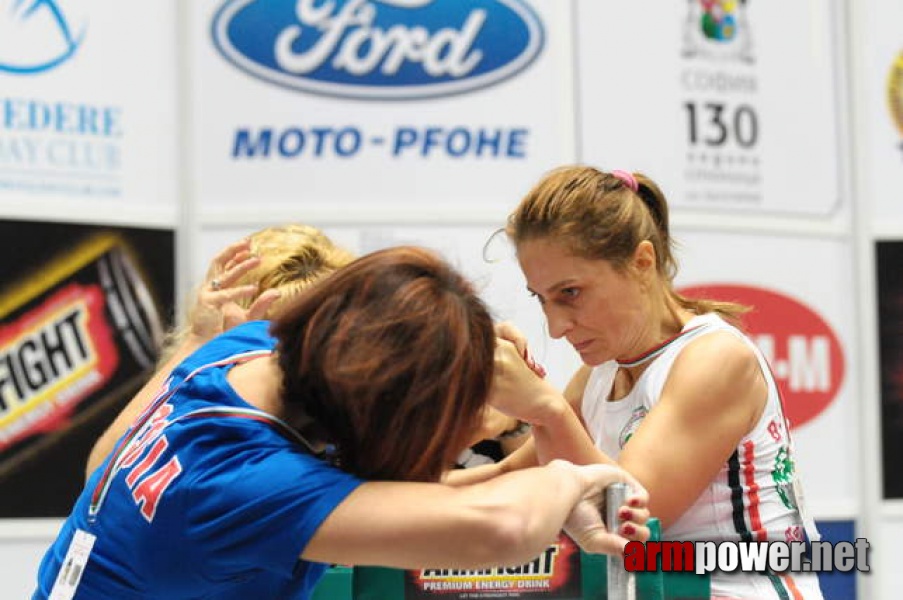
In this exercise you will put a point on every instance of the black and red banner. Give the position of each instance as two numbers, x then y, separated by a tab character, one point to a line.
82	313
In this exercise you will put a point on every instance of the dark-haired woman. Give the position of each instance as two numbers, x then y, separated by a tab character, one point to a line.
276	449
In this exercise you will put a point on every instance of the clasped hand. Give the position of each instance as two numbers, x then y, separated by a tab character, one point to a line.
518	388
585	524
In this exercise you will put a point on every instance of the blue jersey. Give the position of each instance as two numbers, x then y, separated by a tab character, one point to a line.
205	497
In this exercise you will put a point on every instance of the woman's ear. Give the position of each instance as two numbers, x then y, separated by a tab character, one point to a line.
643	260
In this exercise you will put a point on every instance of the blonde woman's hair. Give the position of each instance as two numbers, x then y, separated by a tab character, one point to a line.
292	258
599	215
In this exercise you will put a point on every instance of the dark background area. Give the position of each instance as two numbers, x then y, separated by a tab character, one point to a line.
889	261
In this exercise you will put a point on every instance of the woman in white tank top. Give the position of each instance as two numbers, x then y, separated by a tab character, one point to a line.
669	389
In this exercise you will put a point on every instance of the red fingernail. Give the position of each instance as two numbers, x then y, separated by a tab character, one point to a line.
628	529
634	502
625	514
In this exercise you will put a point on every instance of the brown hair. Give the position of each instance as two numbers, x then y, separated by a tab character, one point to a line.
392	359
597	216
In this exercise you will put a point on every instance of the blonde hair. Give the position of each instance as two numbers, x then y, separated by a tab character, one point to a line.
597	215
292	258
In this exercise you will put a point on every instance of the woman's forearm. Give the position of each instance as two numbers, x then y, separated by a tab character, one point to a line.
508	519
560	434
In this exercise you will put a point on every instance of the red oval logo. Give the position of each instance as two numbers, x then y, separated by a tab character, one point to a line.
802	349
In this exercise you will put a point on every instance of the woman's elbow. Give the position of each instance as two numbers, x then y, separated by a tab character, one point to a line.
513	538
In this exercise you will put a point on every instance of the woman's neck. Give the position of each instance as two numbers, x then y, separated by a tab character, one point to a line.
669	321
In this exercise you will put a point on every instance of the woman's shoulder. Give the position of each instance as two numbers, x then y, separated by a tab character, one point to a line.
718	347
252	336
721	365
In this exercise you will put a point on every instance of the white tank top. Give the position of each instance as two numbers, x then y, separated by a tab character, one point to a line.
751	499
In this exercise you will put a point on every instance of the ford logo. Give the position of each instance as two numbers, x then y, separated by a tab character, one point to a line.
379	49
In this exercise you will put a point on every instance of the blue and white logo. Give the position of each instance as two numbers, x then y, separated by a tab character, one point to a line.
35	36
379	49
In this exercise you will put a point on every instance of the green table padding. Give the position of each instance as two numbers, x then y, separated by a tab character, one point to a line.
378	583
650	585
336	584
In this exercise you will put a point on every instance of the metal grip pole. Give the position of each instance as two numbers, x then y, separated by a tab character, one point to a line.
621	584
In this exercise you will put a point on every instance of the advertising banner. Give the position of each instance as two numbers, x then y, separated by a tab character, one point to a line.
554	574
383	106
82	313
803	320
879	67
718	100
87	102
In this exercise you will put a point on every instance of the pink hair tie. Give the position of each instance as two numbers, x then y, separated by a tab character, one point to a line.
627	179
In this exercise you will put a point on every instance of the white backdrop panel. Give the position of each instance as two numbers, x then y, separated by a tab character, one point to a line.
273	137
19	565
88	105
816	273
878	63
500	283
730	107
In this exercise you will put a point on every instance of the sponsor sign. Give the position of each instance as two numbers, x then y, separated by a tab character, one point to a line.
705	109
877	69
52	144
38	35
79	333
60	147
803	351
385	49
84	113
720	90
553	574
293	94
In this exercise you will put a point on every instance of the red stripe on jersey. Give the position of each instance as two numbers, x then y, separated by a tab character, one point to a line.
791	586
749	474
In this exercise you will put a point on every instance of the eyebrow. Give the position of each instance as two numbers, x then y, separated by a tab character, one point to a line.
555	287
